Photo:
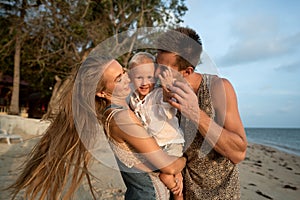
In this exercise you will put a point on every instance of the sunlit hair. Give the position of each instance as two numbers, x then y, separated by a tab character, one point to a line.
185	42
140	58
59	161
89	81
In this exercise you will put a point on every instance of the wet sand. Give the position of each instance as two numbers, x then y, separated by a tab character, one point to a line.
267	173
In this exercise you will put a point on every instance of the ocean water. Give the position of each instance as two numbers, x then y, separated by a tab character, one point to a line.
283	139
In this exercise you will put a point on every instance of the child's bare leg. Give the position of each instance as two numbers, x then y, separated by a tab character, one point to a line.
173	183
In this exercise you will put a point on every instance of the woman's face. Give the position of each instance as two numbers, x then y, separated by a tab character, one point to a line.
116	82
142	77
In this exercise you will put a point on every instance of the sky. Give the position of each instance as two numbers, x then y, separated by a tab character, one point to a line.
255	44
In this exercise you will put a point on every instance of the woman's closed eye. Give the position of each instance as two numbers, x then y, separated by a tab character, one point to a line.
121	76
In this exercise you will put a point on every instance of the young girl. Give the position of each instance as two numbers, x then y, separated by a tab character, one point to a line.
157	116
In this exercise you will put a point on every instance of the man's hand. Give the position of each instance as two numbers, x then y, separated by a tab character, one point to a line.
186	100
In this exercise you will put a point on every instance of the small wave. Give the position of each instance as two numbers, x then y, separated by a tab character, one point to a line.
283	139
280	147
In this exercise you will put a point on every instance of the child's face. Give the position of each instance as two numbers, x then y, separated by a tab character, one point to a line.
142	77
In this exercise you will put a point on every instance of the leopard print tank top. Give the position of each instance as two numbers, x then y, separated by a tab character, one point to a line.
208	174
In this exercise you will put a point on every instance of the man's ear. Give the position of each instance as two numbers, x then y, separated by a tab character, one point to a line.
101	94
188	71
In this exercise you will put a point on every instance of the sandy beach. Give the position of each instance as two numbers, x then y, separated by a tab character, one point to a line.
266	173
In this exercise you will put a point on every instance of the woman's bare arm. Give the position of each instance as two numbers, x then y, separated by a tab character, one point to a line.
127	128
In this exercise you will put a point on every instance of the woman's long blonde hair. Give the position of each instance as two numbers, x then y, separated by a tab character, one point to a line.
60	160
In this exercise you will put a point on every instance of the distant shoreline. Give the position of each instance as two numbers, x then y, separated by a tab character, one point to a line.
282	149
283	139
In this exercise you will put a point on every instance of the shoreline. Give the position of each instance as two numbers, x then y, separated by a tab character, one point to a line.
277	147
266	173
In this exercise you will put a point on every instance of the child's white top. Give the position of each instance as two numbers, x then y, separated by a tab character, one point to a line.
158	117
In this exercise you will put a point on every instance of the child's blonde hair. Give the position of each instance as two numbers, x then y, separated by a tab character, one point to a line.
141	58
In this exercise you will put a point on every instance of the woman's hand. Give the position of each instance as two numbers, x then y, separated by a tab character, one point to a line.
177	190
173	182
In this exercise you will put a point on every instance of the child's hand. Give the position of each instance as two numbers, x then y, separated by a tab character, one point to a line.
166	78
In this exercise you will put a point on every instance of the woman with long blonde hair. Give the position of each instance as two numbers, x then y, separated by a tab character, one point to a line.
95	98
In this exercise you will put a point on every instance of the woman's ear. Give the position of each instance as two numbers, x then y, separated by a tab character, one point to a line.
101	94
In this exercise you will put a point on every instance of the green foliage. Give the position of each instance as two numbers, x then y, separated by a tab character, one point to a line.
56	34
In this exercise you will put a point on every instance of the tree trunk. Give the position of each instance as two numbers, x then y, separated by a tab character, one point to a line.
14	105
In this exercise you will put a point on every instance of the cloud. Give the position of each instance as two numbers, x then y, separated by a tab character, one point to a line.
258	38
291	106
292	67
286	109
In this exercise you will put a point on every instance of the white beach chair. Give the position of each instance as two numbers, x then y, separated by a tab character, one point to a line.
5	135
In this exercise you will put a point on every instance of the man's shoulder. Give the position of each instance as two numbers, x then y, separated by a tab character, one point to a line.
215	80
